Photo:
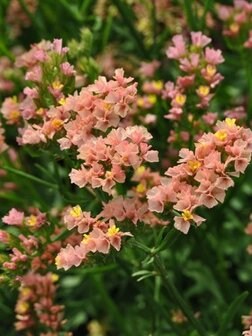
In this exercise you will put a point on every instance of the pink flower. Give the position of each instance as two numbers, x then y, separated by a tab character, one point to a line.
179	49
14	217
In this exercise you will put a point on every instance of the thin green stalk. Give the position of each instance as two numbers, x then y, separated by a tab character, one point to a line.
110	305
30	177
190	17
178	299
128	16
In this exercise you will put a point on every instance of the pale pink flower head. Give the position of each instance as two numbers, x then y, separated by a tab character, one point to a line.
148	69
179	49
14	217
200	40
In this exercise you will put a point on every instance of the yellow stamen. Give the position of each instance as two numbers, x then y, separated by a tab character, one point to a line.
25	291
57	261
31	220
180	99
140	188
14	114
57	123
234	27
140	102
86	238
158	85
56	85
55	277
230	121
203	90
187	215
140	170
221	135
113	230
211	70
22	307
40	111
76	211
194	165
152	99
62	101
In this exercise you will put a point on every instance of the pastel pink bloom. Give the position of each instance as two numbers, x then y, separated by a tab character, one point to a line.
4	237
210	118
67	257
67	69
213	56
179	49
11	110
200	40
14	217
247	332
183	225
75	217
58	48
191	63
148	69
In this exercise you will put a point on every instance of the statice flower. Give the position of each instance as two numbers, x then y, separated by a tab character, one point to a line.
98	106
36	307
199	63
100	235
202	177
39	109
105	160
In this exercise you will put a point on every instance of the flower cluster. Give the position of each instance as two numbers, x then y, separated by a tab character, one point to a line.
99	107
99	236
199	63
17	17
39	109
35	307
202	177
106	159
30	248
237	21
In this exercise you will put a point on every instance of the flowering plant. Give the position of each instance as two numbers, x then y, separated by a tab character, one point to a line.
125	150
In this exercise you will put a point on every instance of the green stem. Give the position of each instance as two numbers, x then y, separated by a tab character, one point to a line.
174	293
109	305
30	177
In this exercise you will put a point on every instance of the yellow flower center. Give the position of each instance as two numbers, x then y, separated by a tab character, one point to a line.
58	261
204	90
57	123
40	111
180	99
76	211
140	102
187	215
55	277
152	99
14	114
221	135
31	220
194	165
158	85
62	101
22	307
230	121
140	188
113	230
86	238
140	170
25	291
211	70
234	27
56	85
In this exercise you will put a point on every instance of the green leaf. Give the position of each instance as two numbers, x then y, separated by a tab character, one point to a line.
230	314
